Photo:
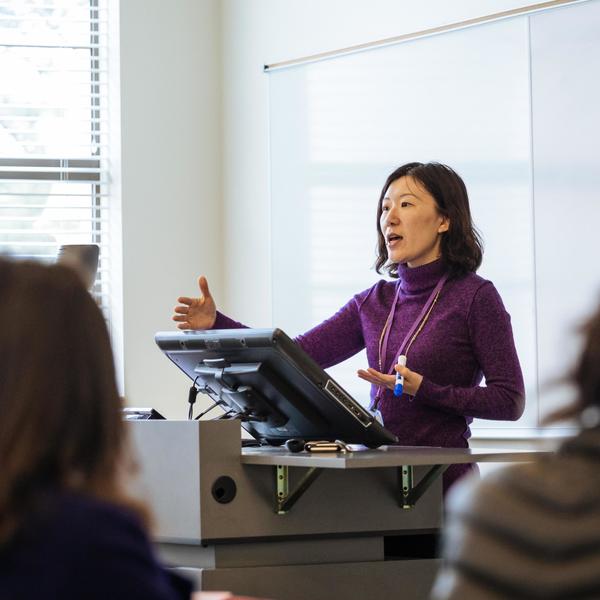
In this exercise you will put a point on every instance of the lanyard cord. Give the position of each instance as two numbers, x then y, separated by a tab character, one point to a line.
384	332
413	338
425	318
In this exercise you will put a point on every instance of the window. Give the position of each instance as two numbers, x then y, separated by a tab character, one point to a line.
53	138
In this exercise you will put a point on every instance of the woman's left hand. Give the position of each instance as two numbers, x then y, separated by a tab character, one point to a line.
412	380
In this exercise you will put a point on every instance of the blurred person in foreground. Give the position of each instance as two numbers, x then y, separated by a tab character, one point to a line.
68	530
533	530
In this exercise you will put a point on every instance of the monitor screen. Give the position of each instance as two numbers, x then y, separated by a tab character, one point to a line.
265	379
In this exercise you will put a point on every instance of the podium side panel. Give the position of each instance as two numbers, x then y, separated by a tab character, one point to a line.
168	456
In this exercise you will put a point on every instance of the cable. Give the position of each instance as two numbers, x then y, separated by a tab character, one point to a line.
245	415
208	409
192	398
225	416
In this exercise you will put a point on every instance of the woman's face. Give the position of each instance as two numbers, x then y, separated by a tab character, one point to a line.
411	223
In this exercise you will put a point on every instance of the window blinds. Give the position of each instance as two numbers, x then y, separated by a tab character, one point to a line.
53	134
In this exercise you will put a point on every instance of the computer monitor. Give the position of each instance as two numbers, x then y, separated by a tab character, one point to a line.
265	379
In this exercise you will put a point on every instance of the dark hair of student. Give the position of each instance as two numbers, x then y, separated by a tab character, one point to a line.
461	245
61	427
585	376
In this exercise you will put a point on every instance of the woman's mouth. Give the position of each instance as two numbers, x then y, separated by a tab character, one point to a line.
393	240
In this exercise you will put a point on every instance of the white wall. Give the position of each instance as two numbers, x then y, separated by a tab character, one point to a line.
259	32
171	173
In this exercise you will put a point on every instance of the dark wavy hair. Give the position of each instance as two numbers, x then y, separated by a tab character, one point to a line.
461	245
61	426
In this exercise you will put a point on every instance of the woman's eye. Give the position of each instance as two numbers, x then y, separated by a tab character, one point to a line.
385	208
404	204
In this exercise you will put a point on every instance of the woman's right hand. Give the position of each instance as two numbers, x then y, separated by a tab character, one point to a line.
196	313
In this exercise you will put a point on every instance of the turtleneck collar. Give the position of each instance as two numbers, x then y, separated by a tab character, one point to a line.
416	280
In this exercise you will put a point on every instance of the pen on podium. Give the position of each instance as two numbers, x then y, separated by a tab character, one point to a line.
399	385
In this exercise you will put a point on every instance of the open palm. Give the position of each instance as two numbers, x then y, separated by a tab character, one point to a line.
196	313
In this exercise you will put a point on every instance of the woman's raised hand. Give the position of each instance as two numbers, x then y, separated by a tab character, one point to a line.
196	313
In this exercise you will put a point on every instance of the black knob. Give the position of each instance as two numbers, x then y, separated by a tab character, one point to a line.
224	489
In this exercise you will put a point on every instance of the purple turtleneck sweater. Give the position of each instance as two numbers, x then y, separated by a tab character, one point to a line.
467	337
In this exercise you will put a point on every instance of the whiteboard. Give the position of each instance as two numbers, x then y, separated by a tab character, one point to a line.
511	105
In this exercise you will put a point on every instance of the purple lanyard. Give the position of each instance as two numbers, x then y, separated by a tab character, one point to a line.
390	320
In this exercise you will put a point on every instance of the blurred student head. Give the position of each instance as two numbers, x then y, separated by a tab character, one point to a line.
60	412
585	376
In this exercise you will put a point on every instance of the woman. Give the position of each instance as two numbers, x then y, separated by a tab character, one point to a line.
533	530
449	323
67	528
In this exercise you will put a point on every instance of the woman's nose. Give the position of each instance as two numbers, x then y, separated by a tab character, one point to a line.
390	217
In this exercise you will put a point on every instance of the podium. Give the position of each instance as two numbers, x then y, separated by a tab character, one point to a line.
269	523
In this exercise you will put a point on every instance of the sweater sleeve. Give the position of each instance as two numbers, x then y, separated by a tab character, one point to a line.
524	531
224	322
487	572
329	343
503	396
335	339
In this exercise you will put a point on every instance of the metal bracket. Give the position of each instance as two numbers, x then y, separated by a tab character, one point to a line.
408	493
285	500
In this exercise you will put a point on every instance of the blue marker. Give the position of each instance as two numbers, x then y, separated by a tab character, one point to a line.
399	385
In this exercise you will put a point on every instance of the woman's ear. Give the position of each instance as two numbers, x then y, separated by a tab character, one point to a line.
444	225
